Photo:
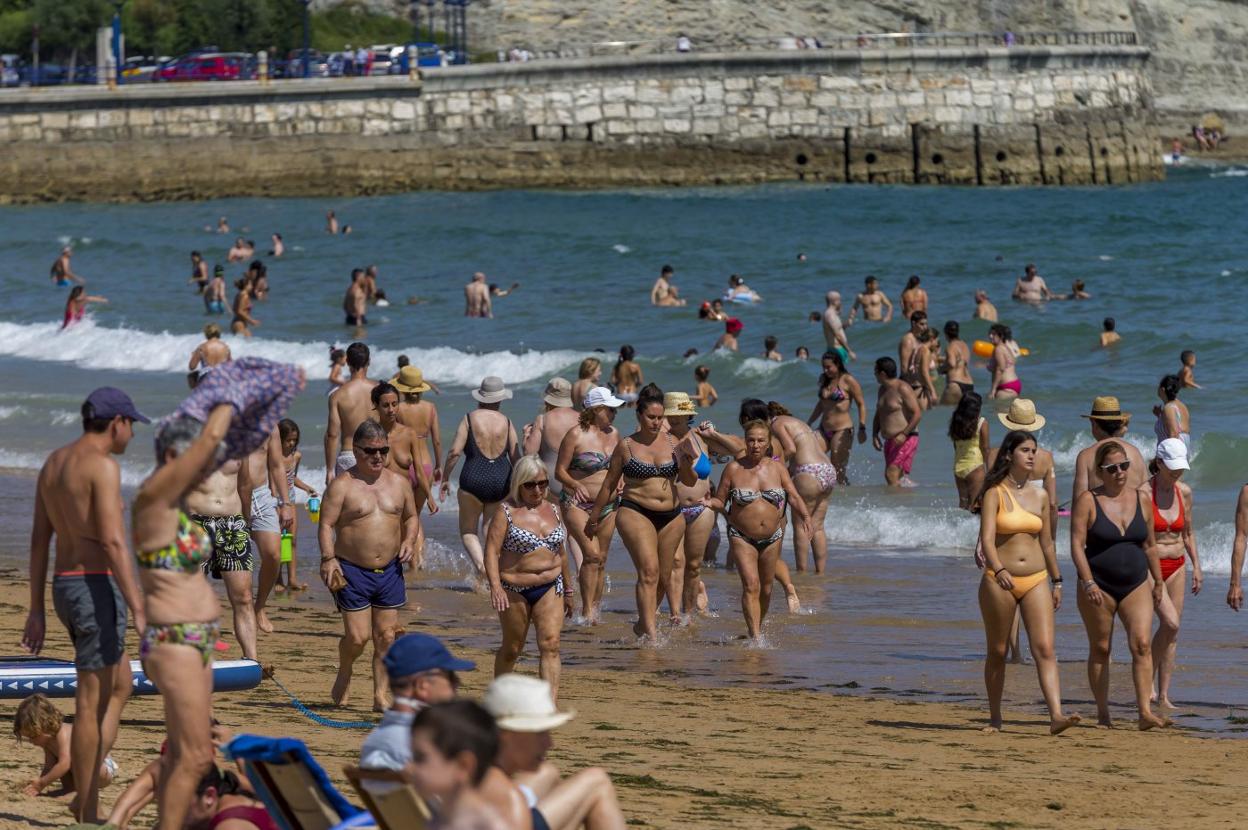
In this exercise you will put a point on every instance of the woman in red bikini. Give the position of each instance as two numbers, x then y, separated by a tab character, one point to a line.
1176	542
222	802
1005	380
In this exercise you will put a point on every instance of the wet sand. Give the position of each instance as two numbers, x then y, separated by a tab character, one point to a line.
689	757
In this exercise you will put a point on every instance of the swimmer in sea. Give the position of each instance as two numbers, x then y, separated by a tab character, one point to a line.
242	310
279	247
1005	381
1108	336
802	353
626	377
62	275
875	305
370	283
239	251
355	301
956	366
705	395
834	329
211	352
895	430
838	391
477	297
984	310
728	340
738	291
663	292
769	349
912	357
1187	375
331	222
913	298
199	272
76	305
1031	287
223	225
214	293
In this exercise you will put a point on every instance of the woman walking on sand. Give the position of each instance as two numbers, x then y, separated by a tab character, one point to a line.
1176	543
1017	542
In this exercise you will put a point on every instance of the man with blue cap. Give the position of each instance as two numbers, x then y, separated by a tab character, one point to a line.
422	672
78	500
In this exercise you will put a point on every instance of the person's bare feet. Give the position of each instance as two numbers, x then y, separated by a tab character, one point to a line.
795	605
1104	722
702	602
993	727
1059	725
1151	721
262	621
1165	701
279	588
341	693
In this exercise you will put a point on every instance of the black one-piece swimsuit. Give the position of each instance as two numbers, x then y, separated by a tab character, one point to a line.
1119	564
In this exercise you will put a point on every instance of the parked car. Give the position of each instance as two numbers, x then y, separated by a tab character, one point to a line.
427	54
292	66
142	68
211	66
9	70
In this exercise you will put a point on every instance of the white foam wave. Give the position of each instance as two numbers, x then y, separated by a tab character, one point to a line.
1232	172
63	417
92	346
621	249
757	367
7	412
133	471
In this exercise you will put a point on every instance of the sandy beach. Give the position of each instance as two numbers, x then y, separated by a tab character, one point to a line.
686	757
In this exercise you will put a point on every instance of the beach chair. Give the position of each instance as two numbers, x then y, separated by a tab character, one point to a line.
292	785
396	806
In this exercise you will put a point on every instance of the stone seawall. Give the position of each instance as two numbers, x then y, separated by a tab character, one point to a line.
1054	115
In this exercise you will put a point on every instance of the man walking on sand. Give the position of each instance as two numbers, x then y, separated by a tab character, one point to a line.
349	406
367	534
266	504
896	426
78	498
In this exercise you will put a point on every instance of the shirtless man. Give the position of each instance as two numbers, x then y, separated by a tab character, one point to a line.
265	499
544	436
913	298
355	301
1109	423
1031	287
912	357
239	252
349	406
216	505
223	225
370	283
663	293
872	301
78	499
367	534
279	247
984	310
62	275
199	272
833	329
895	429
331	222
477	301
1108	334
214	292
211	352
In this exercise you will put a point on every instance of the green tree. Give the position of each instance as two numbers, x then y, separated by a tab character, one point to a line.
67	27
15	30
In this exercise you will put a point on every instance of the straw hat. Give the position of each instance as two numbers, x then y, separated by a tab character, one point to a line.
678	404
1107	408
410	380
558	392
1022	416
520	703
491	390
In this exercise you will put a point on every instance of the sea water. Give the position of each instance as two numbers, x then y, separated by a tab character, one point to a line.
1167	260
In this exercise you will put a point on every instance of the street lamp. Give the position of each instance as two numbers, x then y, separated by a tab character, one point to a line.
117	4
307	38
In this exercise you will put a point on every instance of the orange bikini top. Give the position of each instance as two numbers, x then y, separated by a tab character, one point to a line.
1017	519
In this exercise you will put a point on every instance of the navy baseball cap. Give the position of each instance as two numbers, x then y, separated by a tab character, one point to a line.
417	653
108	402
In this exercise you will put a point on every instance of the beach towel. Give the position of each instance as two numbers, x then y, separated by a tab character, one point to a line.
260	391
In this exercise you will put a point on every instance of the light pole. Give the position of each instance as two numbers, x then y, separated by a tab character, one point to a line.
307	38
117	4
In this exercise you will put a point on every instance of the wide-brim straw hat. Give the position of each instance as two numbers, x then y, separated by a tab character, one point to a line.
491	390
1022	416
1107	408
678	404
410	380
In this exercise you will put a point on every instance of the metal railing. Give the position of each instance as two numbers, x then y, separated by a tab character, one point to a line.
863	40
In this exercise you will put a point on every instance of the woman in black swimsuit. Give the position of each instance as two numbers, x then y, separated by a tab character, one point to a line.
1115	553
649	518
487	441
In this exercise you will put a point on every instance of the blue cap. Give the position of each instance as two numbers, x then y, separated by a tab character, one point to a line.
416	653
108	402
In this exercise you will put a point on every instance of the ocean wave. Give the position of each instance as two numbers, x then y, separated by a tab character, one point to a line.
92	346
1230	172
7	412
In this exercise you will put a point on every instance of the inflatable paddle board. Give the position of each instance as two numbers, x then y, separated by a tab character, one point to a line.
24	676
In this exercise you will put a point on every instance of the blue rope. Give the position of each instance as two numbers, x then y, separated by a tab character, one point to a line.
323	721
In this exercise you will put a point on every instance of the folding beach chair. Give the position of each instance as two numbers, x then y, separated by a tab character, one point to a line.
395	806
292	785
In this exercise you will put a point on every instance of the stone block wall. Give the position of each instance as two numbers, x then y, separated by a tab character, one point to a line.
1057	115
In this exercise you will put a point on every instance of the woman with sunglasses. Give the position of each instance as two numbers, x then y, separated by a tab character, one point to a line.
1015	535
1176	543
650	462
528	571
1114	549
403	454
701	526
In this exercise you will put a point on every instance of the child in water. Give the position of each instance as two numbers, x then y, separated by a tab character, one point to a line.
1186	375
337	362
706	394
1109	337
41	723
288	430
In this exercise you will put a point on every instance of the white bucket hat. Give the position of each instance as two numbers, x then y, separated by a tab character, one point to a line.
491	390
523	704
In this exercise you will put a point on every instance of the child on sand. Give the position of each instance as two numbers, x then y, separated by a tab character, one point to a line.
706	394
1109	337
41	723
1186	375
288	430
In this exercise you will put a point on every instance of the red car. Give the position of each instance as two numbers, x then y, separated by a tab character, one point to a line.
212	66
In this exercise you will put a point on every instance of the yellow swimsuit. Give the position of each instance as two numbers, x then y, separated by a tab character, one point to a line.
967	455
1018	520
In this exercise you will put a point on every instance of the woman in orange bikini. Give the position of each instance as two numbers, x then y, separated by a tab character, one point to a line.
1017	541
1176	542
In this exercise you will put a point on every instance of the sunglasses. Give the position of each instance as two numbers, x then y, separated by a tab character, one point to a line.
1120	467
537	485
382	451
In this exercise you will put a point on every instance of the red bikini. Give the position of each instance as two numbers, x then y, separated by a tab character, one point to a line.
1160	525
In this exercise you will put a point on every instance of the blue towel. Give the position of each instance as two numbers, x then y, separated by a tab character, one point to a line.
276	751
